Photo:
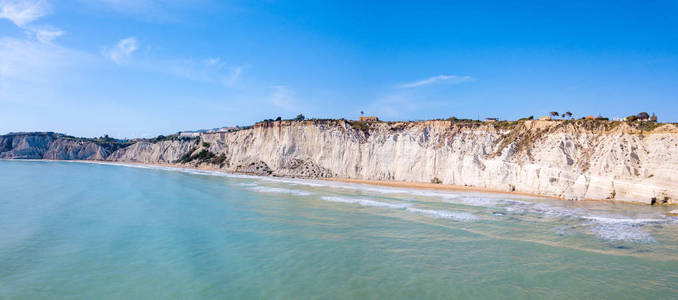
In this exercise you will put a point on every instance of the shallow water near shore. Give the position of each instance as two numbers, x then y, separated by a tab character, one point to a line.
82	230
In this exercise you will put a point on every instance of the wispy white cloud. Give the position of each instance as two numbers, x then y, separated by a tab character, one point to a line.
450	79
122	52
232	76
23	12
211	70
215	69
283	97
46	34
214	62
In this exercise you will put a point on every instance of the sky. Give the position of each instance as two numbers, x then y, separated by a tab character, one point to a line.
140	68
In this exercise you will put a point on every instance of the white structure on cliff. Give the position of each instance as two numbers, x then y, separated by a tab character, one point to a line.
189	134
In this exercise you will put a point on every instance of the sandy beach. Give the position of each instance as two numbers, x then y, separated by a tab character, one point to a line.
430	186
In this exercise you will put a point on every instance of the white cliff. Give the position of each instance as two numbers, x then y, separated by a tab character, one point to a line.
163	152
571	160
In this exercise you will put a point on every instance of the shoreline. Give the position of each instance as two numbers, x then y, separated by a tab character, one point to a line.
432	186
469	189
383	183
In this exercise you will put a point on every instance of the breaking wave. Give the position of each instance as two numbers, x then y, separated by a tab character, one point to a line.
619	228
275	190
622	220
614	232
444	214
437	214
366	202
611	228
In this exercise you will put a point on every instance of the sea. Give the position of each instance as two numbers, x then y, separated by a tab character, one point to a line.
72	230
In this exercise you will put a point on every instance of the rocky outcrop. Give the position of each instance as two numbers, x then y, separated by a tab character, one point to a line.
253	168
567	159
303	168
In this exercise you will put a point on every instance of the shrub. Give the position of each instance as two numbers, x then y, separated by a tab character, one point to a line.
631	118
161	138
205	144
436	180
186	157
219	160
362	126
203	155
454	119
648	126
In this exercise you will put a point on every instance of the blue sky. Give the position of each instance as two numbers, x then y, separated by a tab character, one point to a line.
139	68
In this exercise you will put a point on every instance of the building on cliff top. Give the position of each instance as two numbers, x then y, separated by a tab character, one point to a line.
545	118
369	119
189	134
491	119
228	129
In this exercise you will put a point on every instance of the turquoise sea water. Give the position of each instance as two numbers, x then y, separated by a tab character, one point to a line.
95	231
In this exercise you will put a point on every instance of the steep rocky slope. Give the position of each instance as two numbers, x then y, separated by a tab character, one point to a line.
567	159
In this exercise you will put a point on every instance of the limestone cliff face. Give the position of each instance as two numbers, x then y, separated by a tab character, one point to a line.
571	160
165	152
49	146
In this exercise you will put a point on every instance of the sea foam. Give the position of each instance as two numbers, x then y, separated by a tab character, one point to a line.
444	214
437	214
625	232
366	202
275	190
